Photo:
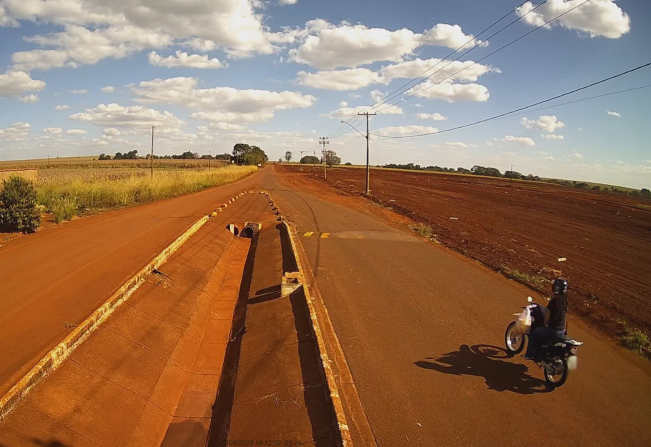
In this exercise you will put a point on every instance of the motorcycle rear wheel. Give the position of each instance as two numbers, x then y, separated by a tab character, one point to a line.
556	373
513	340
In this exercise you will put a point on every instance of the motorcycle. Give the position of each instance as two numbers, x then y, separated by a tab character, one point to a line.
556	356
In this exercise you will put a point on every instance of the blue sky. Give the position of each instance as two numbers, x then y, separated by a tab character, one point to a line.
281	73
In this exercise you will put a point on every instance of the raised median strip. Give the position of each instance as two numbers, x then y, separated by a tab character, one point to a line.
55	357
331	383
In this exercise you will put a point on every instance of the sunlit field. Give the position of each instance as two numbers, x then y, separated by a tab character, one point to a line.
76	186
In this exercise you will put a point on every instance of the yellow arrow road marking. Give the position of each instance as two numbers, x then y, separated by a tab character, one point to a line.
325	235
309	233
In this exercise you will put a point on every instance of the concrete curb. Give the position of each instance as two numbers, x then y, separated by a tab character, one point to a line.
53	359
333	389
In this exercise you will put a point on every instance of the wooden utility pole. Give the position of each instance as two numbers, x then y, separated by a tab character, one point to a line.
324	141
368	151
151	158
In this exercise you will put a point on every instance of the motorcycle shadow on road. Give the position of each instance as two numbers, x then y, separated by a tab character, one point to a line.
491	363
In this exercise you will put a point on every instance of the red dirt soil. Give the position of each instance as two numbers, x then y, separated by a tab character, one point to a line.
523	228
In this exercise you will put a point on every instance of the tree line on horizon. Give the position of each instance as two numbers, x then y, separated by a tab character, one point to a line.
243	154
494	172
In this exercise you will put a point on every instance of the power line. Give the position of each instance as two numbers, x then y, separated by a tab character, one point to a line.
387	99
488	55
525	107
391	94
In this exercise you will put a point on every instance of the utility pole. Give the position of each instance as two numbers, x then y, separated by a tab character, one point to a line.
324	141
209	157
151	164
368	151
301	160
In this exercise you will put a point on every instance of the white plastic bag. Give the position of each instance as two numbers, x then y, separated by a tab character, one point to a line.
523	325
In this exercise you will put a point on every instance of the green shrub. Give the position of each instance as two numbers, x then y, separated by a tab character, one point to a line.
635	340
422	229
18	206
64	209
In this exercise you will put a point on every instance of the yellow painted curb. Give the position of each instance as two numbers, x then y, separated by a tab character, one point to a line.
333	389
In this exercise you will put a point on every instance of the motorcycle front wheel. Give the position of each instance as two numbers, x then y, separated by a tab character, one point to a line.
556	371
513	340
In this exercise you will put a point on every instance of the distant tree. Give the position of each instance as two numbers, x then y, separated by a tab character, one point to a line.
645	193
596	188
464	171
288	156
331	158
348	163
255	156
207	157
104	157
239	150
280	160
581	185
223	157
513	174
118	156
491	172
131	155
310	159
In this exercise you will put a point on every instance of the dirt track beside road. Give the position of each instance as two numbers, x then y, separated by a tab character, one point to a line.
523	228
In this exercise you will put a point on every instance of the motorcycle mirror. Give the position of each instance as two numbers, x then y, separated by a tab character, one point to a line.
530	299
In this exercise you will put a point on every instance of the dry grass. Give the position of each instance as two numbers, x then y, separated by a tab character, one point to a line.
422	229
93	163
70	191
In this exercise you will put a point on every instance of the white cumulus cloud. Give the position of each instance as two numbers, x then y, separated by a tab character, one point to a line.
545	122
76	132
15	132
615	114
108	89
548	136
438	69
328	46
94	30
349	112
62	107
341	80
405	130
577	155
29	99
431	116
224	104
115	115
79	92
522	141
183	59
14	83
450	92
596	18
53	130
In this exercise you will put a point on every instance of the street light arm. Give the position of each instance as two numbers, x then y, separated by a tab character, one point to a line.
355	128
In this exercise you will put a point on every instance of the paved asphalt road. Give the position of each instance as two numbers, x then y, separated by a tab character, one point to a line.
56	278
422	330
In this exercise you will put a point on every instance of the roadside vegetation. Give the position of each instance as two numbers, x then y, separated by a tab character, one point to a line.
69	193
19	209
636	340
70	188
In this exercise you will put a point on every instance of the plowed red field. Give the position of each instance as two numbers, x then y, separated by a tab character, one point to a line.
524	228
